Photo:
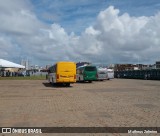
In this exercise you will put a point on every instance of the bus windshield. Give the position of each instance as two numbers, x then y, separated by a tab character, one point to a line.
102	72
90	68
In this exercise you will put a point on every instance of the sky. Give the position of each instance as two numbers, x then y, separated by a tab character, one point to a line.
97	31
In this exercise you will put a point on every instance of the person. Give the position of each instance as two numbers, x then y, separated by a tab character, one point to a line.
9	73
15	74
12	74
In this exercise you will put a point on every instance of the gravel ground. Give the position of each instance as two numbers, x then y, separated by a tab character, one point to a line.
114	103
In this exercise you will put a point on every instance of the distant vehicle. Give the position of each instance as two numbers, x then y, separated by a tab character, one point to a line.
102	74
79	64
152	74
86	73
110	73
62	73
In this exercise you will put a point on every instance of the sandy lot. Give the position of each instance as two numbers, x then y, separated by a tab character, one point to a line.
115	103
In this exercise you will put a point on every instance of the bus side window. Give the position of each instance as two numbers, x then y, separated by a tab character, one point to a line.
78	71
51	70
54	68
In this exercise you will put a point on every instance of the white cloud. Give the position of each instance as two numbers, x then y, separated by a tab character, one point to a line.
92	31
112	38
16	18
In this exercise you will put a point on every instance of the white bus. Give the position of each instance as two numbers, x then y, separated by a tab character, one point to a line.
102	74
110	73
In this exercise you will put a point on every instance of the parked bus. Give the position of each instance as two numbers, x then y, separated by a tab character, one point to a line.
62	73
110	73
86	73
153	74
102	74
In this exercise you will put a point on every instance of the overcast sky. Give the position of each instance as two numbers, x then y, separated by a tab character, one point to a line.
98	31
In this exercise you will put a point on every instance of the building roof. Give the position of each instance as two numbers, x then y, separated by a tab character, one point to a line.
9	64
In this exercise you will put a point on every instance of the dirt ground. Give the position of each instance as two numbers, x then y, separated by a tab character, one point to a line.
114	103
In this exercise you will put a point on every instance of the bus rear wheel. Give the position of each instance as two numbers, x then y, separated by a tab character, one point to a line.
66	84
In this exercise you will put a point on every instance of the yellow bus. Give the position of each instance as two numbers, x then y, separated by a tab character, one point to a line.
62	73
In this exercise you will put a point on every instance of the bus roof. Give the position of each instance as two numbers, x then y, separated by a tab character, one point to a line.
86	66
65	62
110	70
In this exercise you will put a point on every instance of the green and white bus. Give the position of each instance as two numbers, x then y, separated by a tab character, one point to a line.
86	73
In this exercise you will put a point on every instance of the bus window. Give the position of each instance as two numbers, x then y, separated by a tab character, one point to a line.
90	68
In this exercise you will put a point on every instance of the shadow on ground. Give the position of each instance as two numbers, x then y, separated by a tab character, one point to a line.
56	85
82	82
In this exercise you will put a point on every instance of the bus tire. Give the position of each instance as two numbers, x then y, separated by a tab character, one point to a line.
68	84
90	81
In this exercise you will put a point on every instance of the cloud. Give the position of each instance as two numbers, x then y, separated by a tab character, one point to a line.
123	38
113	38
17	18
